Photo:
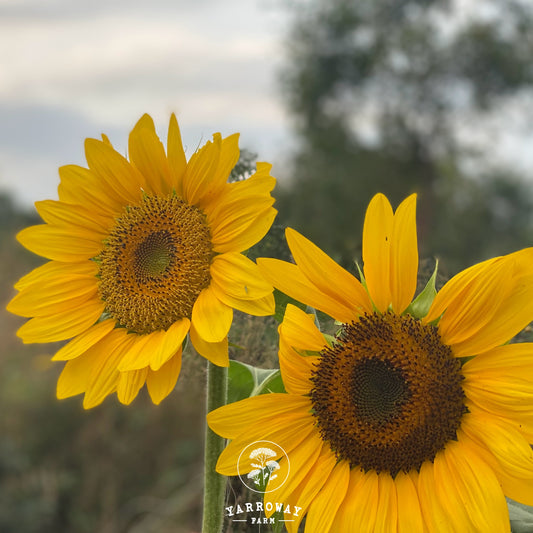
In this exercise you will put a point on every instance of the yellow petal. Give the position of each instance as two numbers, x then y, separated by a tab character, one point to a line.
301	461
54	297
476	306
299	330
502	387
211	318
81	186
313	482
431	504
358	511
66	215
62	325
161	383
404	255
288	432
147	155
198	177
377	236
80	344
129	385
177	162
325	505
229	155
114	171
59	244
53	270
155	349
296	370
239	277
104	373
238	227
409	513
470	492
329	277
264	306
456	288
387	511
216	352
517	488
233	419
288	278
504	441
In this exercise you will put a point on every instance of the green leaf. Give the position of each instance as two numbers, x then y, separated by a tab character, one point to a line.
247	380
521	517
420	305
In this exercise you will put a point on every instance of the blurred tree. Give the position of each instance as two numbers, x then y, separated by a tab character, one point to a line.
385	95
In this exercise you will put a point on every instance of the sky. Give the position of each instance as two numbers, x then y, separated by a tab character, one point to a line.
72	69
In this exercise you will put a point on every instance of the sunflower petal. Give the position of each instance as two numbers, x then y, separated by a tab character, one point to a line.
233	419
329	277
216	352
177	162
404	255
82	186
409	513
239	277
114	170
60	244
211	318
80	344
471	494
129	385
61	326
161	382
198	177
147	155
288	278
358	511
324	507
377	236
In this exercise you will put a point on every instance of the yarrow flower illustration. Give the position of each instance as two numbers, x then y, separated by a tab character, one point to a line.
143	252
418	415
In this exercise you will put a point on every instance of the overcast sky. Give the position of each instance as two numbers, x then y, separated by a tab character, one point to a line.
72	69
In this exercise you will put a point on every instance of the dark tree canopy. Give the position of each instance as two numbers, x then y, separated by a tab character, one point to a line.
383	94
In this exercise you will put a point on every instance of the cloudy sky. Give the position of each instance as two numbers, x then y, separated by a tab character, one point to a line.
73	69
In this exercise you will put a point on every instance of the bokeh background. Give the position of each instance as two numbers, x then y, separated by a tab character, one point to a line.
345	99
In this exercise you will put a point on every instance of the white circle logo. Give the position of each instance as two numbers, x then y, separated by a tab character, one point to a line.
259	466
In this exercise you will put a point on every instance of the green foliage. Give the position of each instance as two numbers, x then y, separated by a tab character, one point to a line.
245	381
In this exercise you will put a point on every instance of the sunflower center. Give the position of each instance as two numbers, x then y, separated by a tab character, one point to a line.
155	263
378	390
387	396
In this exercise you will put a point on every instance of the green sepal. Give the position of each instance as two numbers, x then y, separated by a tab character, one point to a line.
282	300
420	305
246	380
521	517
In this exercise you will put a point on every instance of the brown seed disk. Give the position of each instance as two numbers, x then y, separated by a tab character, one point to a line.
155	263
387	395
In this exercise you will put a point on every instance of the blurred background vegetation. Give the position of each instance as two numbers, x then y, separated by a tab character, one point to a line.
385	95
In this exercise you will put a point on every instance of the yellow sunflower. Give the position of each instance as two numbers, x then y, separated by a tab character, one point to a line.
142	253
405	421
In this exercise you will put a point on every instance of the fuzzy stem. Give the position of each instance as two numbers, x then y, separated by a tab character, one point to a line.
214	483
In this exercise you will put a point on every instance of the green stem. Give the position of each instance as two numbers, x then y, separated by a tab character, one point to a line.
214	483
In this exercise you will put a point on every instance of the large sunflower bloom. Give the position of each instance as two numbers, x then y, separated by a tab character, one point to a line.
402	423
142	253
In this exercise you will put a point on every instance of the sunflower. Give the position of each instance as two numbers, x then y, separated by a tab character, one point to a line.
143	253
412	417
